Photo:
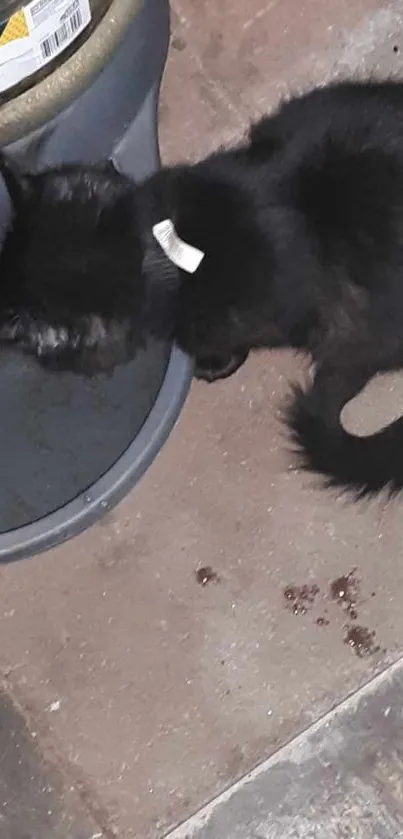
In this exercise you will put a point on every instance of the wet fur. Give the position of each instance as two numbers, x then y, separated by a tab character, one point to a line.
302	227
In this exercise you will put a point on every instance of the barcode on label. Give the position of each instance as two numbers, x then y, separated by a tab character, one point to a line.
66	32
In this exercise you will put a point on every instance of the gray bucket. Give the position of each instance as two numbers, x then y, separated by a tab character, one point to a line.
70	447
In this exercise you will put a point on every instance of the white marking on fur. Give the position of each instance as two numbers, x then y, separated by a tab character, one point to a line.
50	338
182	254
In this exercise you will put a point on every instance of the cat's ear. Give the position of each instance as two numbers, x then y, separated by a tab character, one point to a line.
18	183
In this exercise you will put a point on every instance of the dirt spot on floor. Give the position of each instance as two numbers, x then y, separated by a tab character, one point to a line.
206	575
322	622
300	598
345	591
178	43
362	640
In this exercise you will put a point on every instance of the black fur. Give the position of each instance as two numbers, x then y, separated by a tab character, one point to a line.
302	227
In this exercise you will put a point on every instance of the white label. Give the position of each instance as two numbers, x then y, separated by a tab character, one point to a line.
182	254
38	33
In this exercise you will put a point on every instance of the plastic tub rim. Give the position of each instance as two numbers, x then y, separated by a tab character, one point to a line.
88	507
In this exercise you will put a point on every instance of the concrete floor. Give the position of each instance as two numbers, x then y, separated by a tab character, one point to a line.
146	692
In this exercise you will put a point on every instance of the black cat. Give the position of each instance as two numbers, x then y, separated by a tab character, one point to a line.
301	228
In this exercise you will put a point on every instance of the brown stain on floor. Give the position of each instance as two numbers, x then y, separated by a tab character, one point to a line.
322	621
206	575
300	598
361	640
345	591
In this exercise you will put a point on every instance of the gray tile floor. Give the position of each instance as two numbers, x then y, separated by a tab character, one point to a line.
36	800
341	779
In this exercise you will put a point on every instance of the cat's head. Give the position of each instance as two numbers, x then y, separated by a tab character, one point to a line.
72	286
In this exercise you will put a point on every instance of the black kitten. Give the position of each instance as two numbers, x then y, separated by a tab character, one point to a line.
76	290
302	231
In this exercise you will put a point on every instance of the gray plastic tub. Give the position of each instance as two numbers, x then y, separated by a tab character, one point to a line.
70	447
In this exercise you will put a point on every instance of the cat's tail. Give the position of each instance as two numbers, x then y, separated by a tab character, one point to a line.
361	465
